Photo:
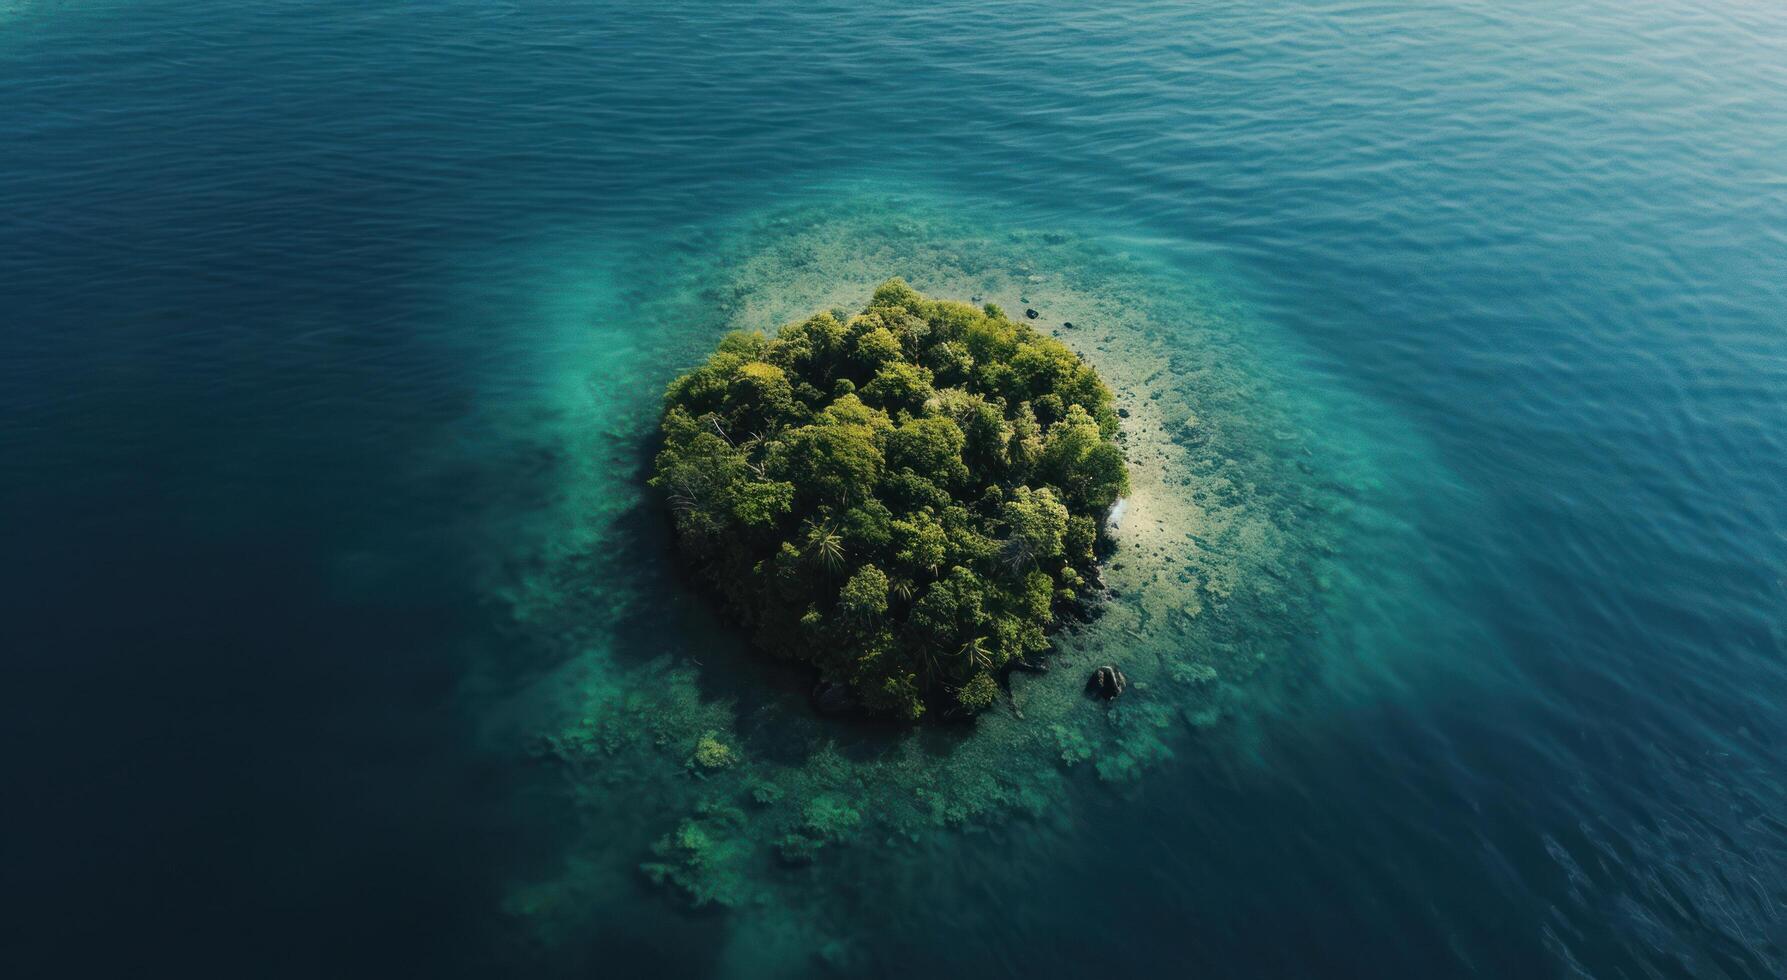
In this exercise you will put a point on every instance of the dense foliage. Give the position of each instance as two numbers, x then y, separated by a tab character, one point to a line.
905	500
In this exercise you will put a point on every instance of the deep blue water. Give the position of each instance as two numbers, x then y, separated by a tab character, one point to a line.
269	271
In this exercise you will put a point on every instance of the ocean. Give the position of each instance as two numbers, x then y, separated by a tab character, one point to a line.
342	635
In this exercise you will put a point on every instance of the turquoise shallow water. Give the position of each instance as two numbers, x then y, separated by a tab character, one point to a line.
1454	340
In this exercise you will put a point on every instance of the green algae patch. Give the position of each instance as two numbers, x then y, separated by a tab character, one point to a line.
824	820
907	499
711	753
703	857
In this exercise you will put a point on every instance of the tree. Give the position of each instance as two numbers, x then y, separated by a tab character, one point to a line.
863	599
1035	524
979	693
876	348
951	614
922	544
931	447
835	464
1080	459
825	546
900	385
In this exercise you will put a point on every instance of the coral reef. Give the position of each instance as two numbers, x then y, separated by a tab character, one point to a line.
1226	530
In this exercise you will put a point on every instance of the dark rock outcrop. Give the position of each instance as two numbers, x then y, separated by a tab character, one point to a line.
1107	682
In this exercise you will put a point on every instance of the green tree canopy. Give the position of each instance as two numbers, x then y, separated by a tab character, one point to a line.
904	499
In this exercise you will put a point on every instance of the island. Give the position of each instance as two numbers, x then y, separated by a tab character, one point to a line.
909	499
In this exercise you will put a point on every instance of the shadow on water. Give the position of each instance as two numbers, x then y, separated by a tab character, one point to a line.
672	611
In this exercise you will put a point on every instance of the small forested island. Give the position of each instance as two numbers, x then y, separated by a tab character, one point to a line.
909	500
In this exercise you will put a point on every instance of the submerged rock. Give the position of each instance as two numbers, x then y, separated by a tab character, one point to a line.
1030	314
1107	682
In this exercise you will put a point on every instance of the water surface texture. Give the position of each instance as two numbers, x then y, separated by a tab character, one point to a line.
342	636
